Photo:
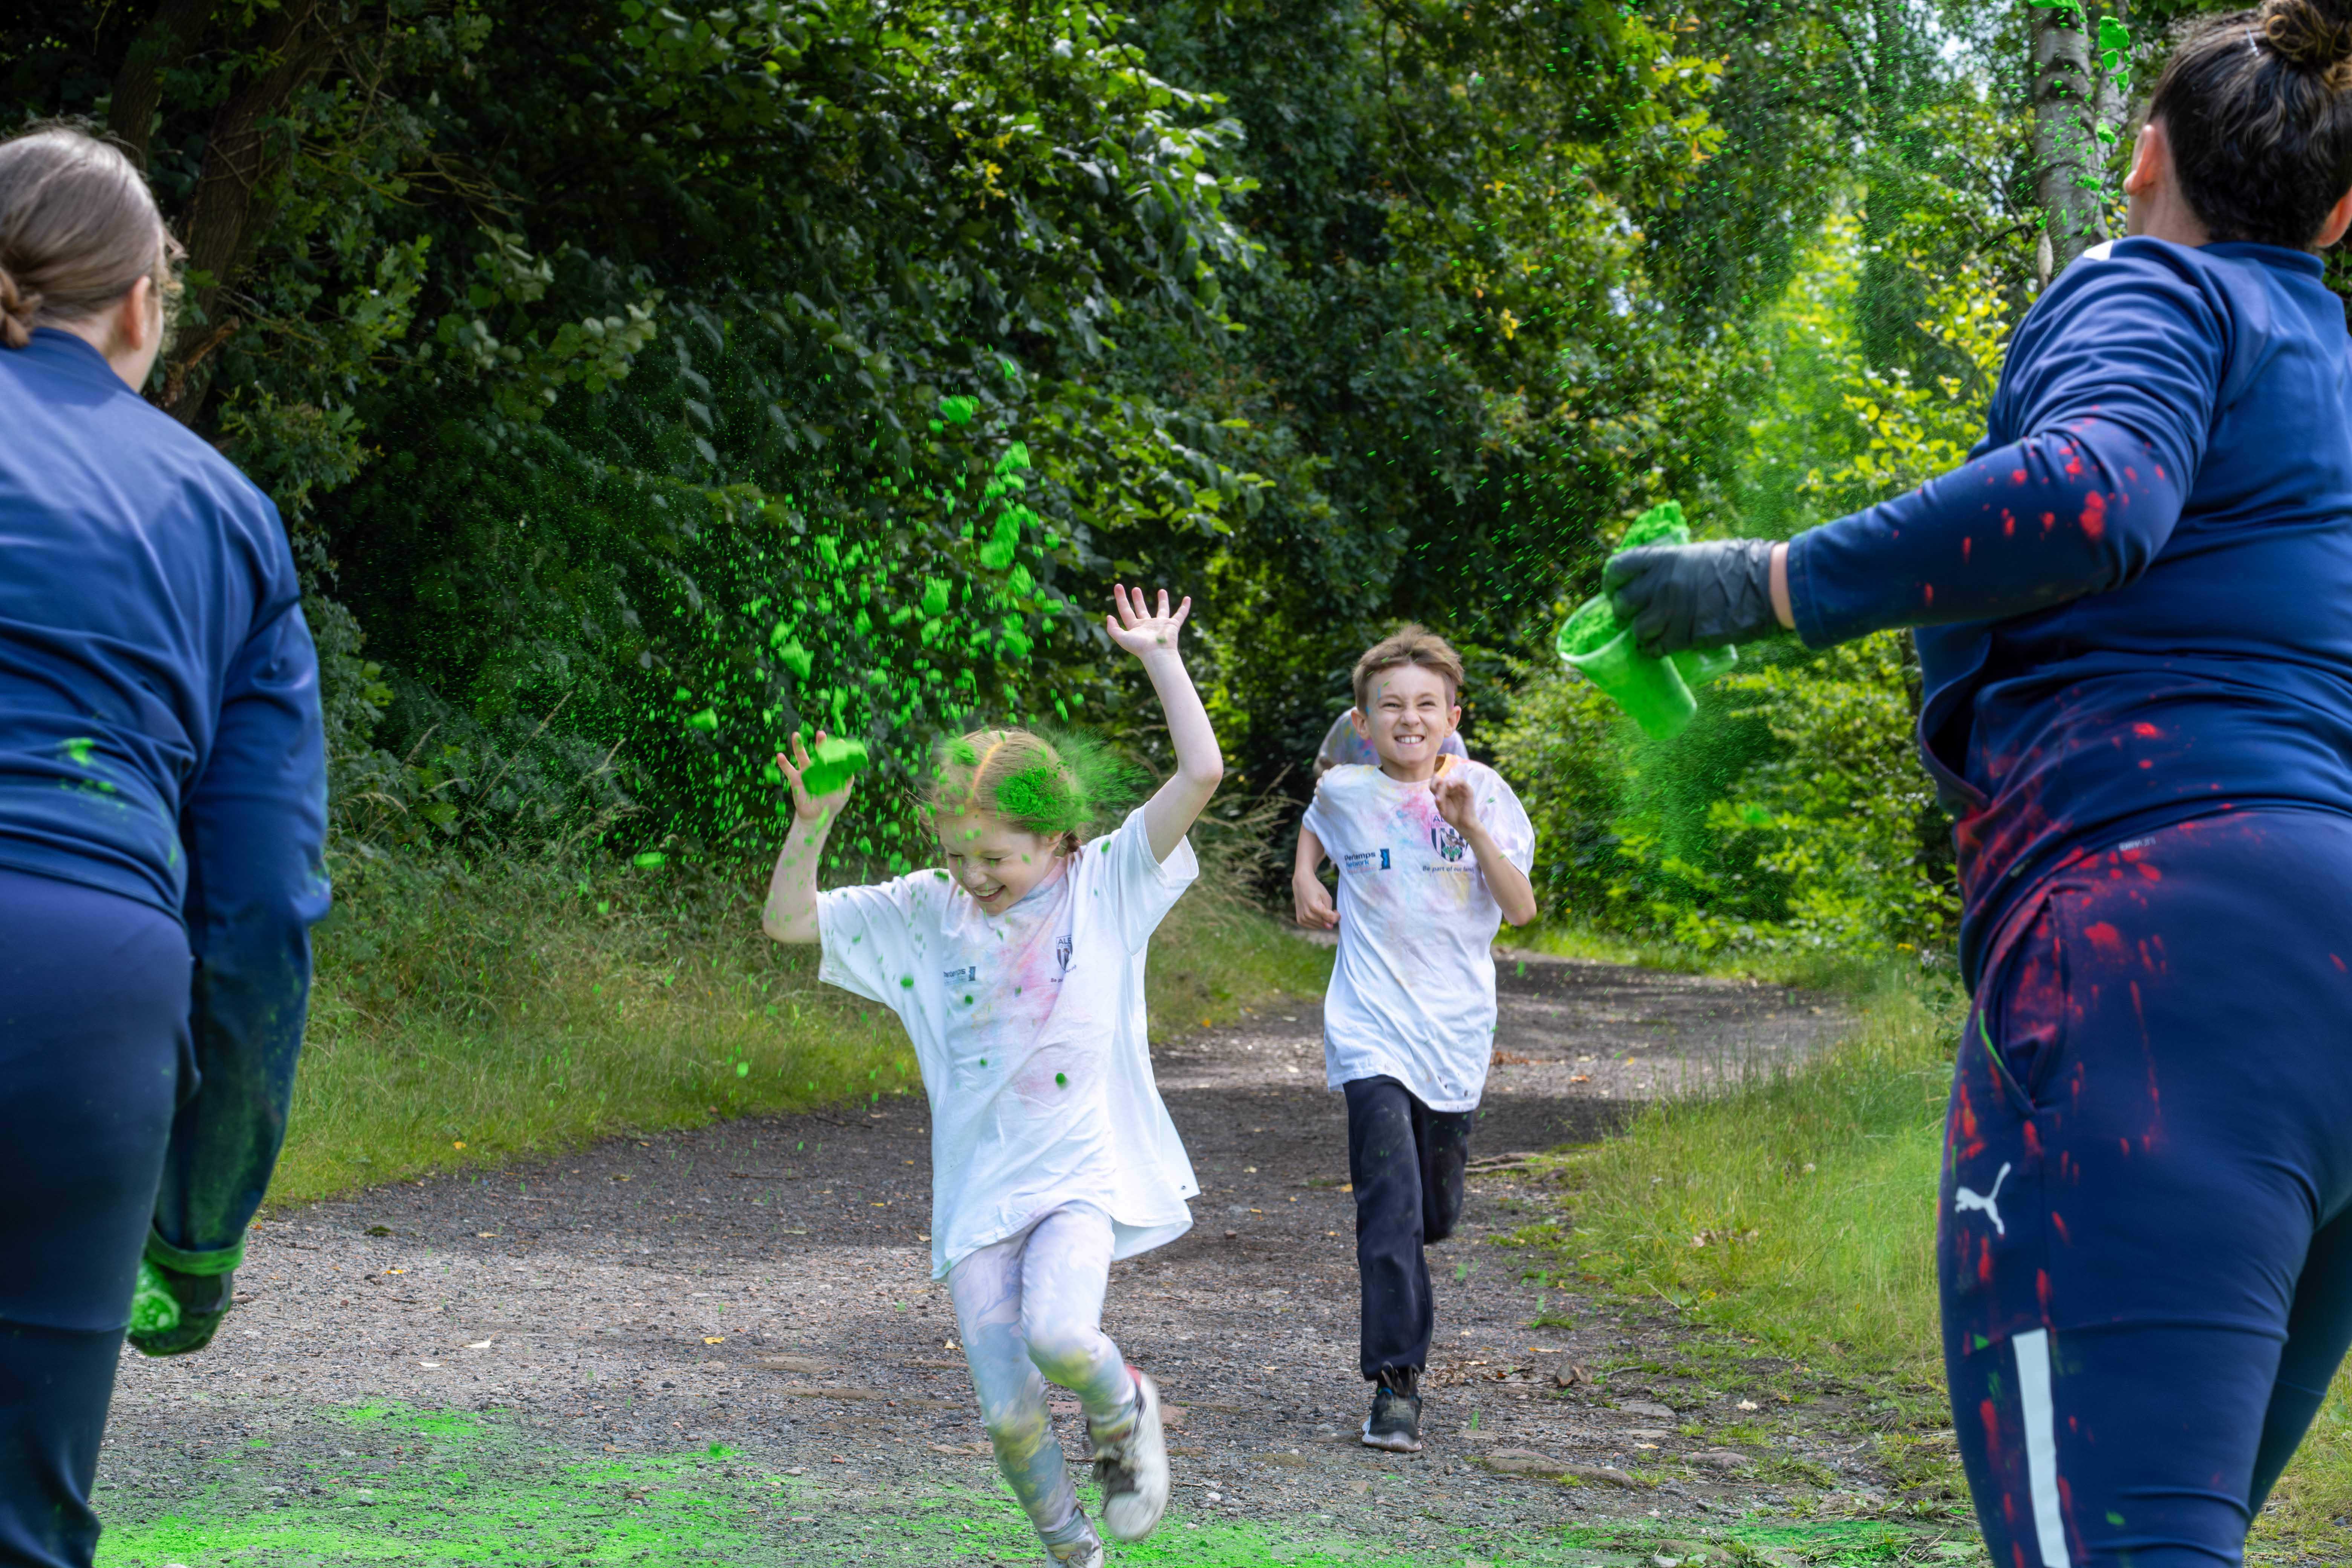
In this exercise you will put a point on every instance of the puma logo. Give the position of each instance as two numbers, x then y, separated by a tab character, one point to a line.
1987	1204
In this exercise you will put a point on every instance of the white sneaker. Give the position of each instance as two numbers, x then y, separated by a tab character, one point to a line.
1133	1472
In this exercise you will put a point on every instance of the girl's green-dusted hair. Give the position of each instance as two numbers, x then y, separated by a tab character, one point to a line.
1064	787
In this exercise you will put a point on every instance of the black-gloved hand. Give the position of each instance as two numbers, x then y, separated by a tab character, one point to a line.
1677	596
203	1300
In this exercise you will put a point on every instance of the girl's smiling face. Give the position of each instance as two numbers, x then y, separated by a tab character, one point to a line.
998	864
1408	713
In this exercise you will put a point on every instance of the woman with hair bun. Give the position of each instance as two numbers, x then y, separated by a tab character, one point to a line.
163	803
2134	606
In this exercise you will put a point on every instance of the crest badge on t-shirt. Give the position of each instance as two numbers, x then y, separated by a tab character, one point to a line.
1448	844
1062	951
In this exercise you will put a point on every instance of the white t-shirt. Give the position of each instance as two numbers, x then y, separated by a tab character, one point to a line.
1412	995
1029	1026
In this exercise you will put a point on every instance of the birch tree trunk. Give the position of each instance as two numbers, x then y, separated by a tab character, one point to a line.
2066	153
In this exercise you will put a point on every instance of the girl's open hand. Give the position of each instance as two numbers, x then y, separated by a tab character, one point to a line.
808	807
1137	629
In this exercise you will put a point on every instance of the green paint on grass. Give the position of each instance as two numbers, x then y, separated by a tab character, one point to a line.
486	1489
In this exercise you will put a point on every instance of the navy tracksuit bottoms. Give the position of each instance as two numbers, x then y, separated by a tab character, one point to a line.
2146	1234
1405	1160
94	1030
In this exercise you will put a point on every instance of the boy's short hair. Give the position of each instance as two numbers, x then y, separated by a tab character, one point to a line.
1414	644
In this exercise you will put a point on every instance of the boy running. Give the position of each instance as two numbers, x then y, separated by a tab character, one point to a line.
1432	853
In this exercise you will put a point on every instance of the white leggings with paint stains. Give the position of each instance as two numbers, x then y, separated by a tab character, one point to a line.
1030	1311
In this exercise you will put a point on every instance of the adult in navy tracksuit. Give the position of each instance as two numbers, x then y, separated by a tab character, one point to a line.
2136	613
161	811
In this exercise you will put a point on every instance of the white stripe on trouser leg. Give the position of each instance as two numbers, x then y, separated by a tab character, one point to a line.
2040	1445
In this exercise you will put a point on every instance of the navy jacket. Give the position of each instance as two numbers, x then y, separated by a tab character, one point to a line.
160	739
2136	598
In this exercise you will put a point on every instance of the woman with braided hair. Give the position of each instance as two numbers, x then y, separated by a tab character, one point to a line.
1017	968
162	791
2134	606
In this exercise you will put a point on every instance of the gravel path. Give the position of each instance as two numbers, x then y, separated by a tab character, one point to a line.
722	1344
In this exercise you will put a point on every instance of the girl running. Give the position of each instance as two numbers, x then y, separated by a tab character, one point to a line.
1018	972
2137	666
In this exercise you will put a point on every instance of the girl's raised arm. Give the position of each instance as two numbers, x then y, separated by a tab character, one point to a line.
1169	815
789	913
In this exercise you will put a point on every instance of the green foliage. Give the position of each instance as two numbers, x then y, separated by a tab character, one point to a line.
1792	815
647	381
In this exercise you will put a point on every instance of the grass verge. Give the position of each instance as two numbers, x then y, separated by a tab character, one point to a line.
1798	1212
465	1016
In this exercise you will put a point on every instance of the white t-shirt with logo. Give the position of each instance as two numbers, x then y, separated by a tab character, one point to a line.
1029	1026
1413	994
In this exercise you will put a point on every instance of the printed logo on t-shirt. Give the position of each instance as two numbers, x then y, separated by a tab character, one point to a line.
1446	841
1062	951
969	972
1365	861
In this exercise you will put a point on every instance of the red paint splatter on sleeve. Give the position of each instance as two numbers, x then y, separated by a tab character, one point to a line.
2008	523
2105	937
2095	515
1967	541
2049	521
2017	476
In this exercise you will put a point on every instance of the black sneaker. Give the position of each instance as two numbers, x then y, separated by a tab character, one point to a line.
1395	1421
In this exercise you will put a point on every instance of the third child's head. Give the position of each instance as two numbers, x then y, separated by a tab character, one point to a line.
1407	700
1008	810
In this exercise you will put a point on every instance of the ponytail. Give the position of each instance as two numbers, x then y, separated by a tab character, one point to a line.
78	228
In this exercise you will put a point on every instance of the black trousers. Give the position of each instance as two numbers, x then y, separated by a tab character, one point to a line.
93	1025
1406	1162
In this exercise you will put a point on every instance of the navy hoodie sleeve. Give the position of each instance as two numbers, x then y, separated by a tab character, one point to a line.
254	827
2096	436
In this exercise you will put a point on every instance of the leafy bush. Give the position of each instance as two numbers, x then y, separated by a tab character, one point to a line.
1793	813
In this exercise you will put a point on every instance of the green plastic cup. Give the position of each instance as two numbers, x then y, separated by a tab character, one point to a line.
1651	691
832	765
1700	665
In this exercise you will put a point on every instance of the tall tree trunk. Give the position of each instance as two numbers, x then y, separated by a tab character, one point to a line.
170	37
2066	151
225	215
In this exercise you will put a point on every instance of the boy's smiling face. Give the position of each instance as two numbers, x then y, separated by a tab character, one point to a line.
998	864
1407	715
